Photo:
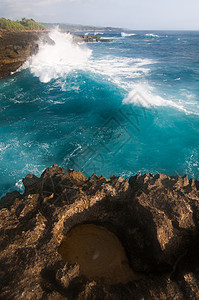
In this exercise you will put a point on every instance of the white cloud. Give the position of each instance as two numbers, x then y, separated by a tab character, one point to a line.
138	14
20	8
17	5
25	8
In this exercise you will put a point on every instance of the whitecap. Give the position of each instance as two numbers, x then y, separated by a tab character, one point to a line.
145	95
151	35
98	33
110	38
58	60
121	70
124	34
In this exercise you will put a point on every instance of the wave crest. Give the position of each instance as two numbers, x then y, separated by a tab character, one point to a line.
151	35
124	34
53	61
145	96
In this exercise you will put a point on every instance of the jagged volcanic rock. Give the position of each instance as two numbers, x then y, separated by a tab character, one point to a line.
155	217
17	47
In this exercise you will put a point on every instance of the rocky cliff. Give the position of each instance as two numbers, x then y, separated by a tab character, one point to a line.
16	48
69	237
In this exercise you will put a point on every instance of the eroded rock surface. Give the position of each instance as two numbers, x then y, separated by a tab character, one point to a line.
16	48
99	254
155	217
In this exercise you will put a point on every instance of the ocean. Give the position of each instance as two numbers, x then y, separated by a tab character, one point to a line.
120	107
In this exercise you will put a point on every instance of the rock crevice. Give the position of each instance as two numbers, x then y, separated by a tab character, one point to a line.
154	217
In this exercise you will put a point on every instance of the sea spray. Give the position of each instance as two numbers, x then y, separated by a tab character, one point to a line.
59	59
144	95
121	70
66	55
77	119
56	61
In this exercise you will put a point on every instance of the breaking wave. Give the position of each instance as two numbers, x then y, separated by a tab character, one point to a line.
145	95
121	70
124	34
59	59
151	35
64	56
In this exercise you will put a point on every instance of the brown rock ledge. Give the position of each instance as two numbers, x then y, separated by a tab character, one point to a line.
153	220
17	47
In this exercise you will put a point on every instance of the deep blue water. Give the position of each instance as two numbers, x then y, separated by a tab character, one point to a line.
131	105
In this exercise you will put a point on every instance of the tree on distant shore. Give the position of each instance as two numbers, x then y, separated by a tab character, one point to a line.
24	24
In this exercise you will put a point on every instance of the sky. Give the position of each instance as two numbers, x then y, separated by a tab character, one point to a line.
131	14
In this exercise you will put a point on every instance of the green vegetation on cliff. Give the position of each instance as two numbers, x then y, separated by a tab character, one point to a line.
24	24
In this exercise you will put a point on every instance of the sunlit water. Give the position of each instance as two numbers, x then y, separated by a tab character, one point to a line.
106	108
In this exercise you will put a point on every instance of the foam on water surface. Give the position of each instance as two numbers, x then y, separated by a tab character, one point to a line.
125	34
104	108
58	60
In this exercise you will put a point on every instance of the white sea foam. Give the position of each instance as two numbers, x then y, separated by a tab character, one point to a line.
124	34
53	61
98	32
111	38
143	95
120	70
146	96
19	185
151	35
91	32
3	147
58	60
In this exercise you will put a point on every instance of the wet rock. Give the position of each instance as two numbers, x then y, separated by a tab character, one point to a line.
17	47
155	219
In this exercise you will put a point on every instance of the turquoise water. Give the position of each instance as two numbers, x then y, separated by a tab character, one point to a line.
106	108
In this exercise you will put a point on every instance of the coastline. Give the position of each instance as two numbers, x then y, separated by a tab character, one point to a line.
155	217
16	47
74	237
